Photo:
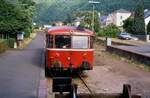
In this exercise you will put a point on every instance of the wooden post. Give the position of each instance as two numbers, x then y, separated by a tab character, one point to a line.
108	41
126	91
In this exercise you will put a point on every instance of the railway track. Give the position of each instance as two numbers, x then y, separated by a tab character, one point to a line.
78	83
69	84
85	84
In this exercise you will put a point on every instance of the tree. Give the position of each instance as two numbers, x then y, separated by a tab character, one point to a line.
148	28
15	17
9	22
139	24
27	9
69	19
128	25
87	21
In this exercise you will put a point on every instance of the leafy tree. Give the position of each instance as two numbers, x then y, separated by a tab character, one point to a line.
15	17
49	10
148	28
10	22
139	24
27	7
87	21
69	19
128	25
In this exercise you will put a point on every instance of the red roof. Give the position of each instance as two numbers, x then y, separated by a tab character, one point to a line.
69	30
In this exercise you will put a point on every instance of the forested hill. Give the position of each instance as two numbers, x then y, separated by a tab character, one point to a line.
55	10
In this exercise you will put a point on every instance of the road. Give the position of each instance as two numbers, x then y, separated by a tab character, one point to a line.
20	70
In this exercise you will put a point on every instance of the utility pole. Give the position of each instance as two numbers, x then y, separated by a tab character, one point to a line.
93	15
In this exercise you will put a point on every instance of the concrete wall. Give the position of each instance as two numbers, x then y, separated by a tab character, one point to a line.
129	55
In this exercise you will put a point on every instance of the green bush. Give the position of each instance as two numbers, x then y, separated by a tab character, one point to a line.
3	46
27	32
109	31
10	42
128	25
6	43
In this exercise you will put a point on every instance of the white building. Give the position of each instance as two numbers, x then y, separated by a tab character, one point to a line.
78	21
106	20
47	26
119	16
147	17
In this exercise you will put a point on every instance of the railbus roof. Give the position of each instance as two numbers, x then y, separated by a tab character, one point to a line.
69	30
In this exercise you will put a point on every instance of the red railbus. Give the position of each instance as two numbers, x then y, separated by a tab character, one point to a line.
68	49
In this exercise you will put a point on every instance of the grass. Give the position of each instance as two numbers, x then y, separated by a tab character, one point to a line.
133	62
1	40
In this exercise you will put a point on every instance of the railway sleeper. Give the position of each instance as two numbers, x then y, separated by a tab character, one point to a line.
64	88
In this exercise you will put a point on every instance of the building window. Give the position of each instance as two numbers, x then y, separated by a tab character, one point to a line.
121	17
121	23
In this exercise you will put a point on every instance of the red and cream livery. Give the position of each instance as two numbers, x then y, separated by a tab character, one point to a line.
68	49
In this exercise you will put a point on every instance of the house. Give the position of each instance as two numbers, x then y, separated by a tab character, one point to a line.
47	26
103	20
116	18
58	23
147	17
106	20
78	20
119	16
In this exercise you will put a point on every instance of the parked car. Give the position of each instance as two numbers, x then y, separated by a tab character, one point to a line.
125	36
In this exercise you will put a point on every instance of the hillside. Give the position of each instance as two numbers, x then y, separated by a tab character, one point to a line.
55	10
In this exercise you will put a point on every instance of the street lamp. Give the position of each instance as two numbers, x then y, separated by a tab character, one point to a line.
93	2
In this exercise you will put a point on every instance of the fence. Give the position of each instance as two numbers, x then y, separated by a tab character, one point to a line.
141	37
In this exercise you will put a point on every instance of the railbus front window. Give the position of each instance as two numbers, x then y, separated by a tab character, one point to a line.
80	42
62	41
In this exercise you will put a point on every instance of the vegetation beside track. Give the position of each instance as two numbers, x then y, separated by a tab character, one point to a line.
102	44
5	44
27	41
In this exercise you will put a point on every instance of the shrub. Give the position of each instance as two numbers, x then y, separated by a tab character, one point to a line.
109	31
27	32
128	25
10	42
3	46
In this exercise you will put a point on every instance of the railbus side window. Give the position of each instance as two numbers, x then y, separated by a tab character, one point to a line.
63	41
91	42
49	41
